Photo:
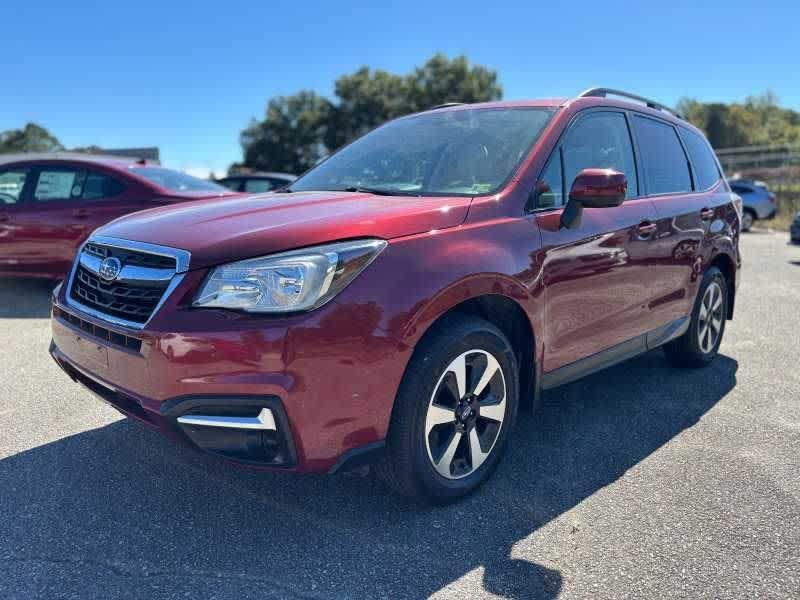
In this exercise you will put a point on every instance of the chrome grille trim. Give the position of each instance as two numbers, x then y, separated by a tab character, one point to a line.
128	273
132	274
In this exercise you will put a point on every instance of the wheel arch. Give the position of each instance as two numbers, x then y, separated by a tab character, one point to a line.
499	301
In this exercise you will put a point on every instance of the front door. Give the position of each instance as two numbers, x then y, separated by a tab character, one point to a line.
595	274
13	181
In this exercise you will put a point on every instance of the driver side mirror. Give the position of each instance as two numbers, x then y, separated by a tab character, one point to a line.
593	188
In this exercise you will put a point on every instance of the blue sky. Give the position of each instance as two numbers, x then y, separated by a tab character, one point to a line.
189	76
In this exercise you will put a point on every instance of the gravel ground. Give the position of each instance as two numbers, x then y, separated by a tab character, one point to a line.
641	481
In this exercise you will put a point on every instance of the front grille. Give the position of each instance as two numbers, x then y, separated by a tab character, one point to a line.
133	297
129	257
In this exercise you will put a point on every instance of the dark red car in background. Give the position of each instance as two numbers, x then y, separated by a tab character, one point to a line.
400	301
49	205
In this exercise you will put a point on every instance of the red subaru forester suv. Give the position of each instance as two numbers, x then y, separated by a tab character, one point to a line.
402	300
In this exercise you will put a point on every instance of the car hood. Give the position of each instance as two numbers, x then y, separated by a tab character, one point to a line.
219	231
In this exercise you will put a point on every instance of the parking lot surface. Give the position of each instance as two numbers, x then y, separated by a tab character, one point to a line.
640	481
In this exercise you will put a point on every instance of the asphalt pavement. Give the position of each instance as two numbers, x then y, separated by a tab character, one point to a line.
640	481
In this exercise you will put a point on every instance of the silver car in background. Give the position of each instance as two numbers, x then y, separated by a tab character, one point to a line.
758	202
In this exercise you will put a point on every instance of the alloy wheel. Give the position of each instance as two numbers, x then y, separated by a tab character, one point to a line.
465	414
710	318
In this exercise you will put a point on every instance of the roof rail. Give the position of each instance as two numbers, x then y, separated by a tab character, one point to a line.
601	92
447	105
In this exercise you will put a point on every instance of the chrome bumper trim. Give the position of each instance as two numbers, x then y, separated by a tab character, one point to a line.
264	421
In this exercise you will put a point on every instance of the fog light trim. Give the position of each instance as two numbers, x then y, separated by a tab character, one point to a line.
265	420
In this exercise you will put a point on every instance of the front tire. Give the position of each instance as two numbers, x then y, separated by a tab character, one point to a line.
454	410
700	344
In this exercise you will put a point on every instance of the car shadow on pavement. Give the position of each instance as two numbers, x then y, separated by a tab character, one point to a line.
25	298
120	509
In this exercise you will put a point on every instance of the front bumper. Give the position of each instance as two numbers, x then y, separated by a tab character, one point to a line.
328	378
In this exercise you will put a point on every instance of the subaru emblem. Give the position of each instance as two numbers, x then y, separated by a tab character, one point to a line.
110	268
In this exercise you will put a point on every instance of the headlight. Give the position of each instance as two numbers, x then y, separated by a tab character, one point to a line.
294	281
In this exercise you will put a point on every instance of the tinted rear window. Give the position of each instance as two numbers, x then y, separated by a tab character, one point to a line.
666	169
705	166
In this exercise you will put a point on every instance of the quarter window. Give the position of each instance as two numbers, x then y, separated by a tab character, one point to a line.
98	185
666	169
600	140
705	166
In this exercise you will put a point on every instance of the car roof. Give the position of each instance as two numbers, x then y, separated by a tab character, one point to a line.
116	162
578	103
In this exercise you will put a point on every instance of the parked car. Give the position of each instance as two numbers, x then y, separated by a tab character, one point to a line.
403	299
49	205
794	229
257	183
758	202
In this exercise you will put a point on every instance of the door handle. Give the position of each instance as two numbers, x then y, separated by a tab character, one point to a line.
80	213
707	214
646	229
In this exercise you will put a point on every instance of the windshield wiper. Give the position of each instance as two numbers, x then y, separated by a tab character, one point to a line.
376	191
354	188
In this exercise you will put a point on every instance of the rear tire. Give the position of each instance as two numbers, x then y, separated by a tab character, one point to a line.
748	218
454	410
700	344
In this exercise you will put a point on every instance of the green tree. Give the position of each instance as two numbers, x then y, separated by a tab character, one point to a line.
443	80
757	120
31	138
290	138
298	130
365	100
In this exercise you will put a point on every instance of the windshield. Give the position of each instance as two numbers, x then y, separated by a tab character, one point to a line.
460	152
176	181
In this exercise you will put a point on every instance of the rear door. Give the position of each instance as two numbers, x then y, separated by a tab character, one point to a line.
65	204
596	275
686	204
13	180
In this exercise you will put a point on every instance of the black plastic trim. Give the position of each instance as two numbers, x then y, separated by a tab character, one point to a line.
616	354
359	457
174	408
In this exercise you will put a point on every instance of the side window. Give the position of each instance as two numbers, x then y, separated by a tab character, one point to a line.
98	185
600	140
58	184
666	169
706	170
11	183
740	189
258	186
232	184
549	188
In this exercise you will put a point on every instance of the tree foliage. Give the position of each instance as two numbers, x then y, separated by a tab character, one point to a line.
299	130
756	121
31	138
290	138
